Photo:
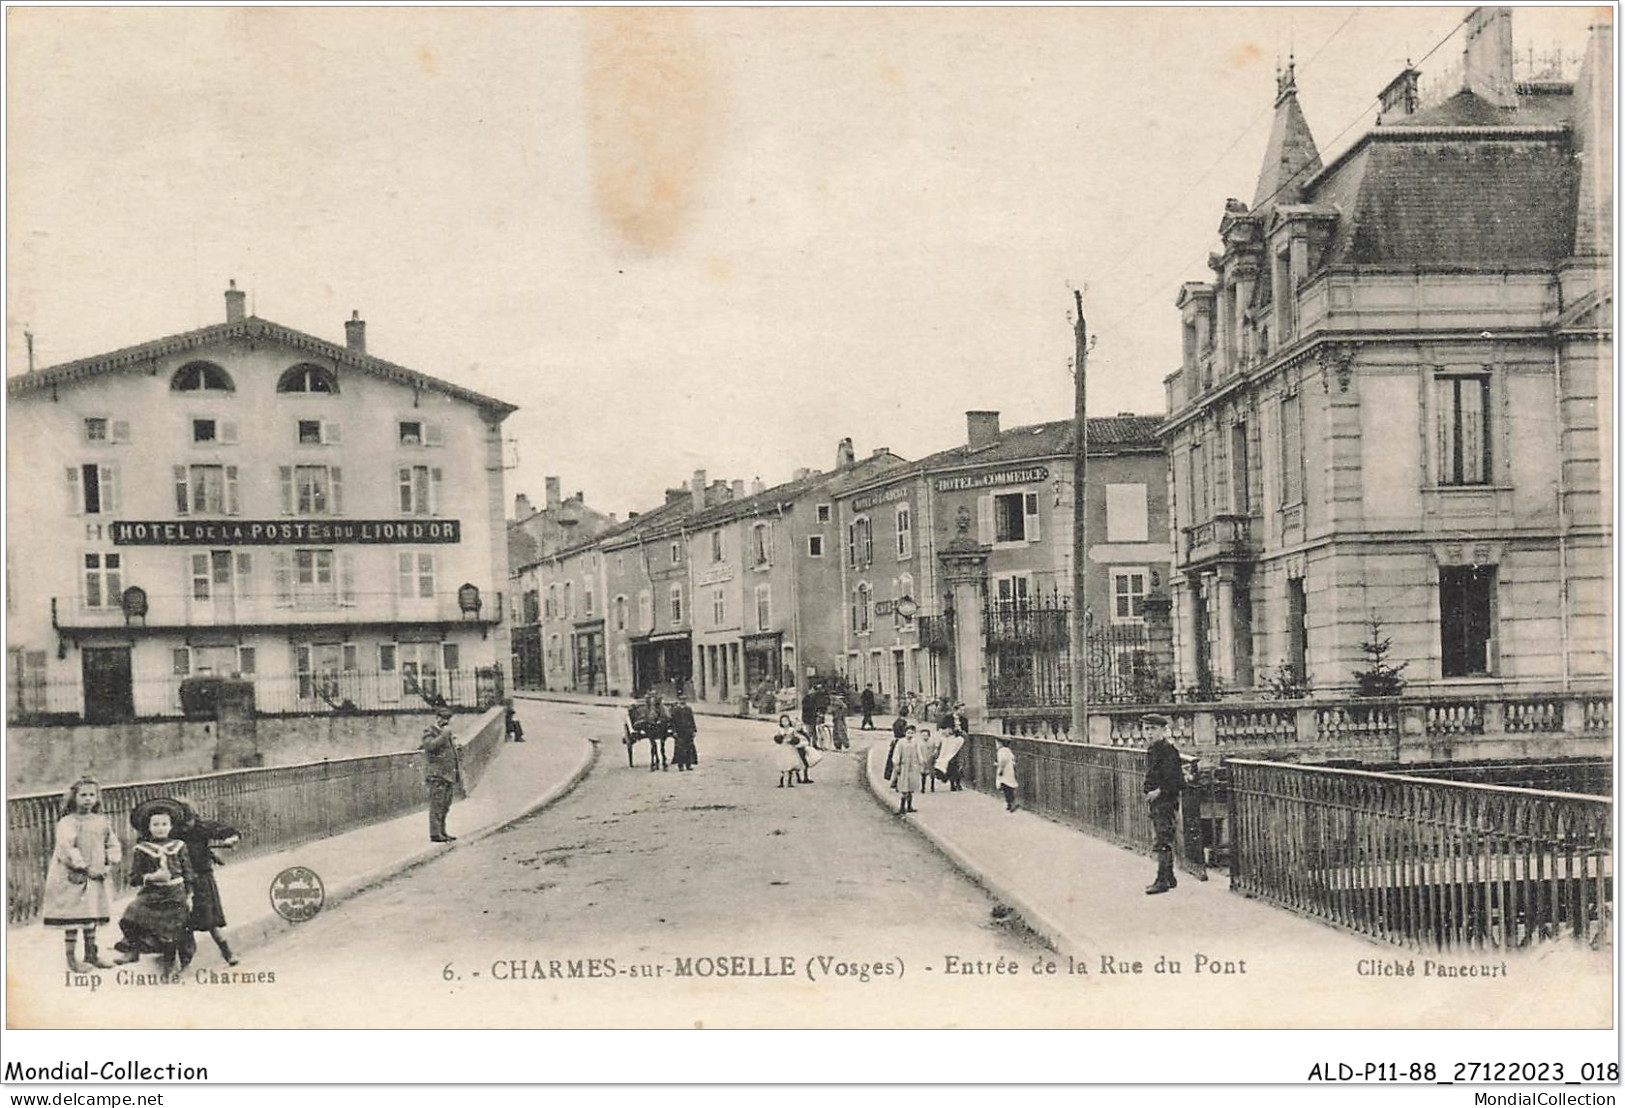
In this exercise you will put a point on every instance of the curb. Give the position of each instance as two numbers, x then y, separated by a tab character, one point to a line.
1039	921
261	929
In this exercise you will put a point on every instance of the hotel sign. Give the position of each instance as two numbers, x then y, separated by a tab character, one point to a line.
278	532
988	480
864	503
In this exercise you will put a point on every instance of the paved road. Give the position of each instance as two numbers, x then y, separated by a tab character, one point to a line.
706	897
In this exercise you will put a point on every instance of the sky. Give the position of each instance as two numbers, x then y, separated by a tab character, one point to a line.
677	239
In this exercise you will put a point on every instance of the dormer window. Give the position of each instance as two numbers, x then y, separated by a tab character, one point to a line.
200	377
307	378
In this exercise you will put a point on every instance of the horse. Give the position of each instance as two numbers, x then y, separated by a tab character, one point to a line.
645	720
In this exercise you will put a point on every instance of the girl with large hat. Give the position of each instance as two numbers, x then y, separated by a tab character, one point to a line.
156	920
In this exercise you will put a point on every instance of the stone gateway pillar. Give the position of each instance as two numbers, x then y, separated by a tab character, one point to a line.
964	571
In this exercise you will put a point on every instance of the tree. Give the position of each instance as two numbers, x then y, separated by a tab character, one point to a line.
1378	677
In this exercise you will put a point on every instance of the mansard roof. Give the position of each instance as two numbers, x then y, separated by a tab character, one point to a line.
250	328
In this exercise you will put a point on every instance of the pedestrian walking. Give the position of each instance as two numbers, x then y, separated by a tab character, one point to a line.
441	772
900	725
866	704
906	770
684	754
930	747
516	730
76	896
839	739
1164	780
156	920
1007	774
202	837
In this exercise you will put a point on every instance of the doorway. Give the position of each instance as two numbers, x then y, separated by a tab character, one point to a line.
109	693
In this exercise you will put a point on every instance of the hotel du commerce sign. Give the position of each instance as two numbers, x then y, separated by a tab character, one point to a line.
274	532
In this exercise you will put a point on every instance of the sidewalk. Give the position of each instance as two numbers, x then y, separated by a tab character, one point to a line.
521	779
1084	895
701	707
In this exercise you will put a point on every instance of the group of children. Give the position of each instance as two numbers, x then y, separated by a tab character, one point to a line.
171	864
798	754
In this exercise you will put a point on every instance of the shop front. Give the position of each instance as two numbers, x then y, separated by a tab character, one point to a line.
661	662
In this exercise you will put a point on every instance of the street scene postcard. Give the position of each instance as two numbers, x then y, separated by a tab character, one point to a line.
1061	519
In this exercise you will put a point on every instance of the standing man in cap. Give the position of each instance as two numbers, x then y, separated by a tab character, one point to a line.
1163	781
440	772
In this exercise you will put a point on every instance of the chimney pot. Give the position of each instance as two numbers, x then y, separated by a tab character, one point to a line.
756	486
552	493
235	299
880	451
522	508
355	333
981	429
844	454
739	490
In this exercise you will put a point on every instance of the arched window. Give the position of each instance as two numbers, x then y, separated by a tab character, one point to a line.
307	378
201	377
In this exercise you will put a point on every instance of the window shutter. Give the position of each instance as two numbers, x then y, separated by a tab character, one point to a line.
183	501
232	506
434	491
76	504
285	473
284	578
110	489
403	572
984	520
228	432
331	434
347	579
1029	503
335	477
200	574
245	575
852	544
121	430
431	433
426	576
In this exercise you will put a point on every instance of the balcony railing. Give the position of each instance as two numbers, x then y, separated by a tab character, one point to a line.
1222	537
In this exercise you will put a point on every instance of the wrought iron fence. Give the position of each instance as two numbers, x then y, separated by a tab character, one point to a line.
1423	863
322	692
1030	659
276	808
1098	788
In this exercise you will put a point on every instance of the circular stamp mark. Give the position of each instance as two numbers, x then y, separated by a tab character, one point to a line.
297	894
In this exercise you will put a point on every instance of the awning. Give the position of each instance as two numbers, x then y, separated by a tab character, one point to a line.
666	636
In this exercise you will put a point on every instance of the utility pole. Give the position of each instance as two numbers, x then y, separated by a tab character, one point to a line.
1080	532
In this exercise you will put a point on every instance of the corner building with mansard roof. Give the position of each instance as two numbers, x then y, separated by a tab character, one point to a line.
248	500
1396	390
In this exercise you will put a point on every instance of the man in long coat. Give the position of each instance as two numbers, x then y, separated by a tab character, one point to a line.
684	755
1164	778
441	772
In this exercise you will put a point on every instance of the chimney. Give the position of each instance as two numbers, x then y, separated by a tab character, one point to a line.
674	495
756	487
696	490
880	452
844	454
1400	98
739	490
580	497
355	333
552	493
234	303
1486	59
981	429
630	516
801	474
716	494
522	508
